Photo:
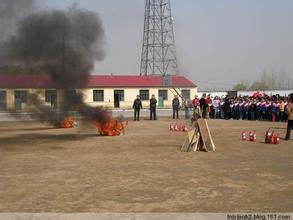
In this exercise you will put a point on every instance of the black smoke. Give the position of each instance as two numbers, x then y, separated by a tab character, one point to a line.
64	45
11	12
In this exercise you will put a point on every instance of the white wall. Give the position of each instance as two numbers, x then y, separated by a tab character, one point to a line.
129	96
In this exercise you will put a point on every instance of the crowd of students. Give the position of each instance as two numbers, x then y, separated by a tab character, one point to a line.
269	108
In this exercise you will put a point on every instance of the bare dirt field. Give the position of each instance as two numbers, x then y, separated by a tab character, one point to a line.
43	169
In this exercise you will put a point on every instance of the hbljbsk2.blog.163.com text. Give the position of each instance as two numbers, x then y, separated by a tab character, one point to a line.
258	217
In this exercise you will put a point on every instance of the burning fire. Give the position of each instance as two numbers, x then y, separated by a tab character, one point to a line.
68	122
112	127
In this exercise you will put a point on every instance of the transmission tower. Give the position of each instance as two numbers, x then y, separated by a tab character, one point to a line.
158	49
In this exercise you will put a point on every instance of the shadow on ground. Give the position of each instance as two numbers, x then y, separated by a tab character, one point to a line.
29	138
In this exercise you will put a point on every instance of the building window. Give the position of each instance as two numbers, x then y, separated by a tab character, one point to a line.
50	95
98	95
144	95
185	93
120	93
163	94
20	96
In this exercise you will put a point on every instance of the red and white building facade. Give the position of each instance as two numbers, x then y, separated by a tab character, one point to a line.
112	91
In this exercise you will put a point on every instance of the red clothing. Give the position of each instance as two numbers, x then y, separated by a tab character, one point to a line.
208	100
195	102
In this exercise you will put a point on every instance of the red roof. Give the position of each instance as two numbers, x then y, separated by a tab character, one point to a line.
95	81
136	81
24	81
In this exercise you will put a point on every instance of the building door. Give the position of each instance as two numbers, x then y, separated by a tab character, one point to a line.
161	102
54	101
116	101
51	97
163	95
17	103
3	101
20	97
118	97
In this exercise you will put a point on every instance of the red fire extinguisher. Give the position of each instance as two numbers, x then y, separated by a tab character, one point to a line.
277	139
184	128
268	136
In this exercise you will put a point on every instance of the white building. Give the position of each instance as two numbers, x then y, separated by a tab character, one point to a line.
113	91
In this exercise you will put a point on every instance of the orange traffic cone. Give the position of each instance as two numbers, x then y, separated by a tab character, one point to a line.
243	136
176	128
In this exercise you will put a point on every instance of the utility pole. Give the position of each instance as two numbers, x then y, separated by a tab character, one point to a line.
158	49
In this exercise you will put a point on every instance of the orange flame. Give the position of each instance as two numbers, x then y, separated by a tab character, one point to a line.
112	127
68	122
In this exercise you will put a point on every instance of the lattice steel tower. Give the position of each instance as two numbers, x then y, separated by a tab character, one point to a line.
158	50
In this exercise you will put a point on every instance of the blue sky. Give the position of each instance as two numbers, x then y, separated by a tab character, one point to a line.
218	42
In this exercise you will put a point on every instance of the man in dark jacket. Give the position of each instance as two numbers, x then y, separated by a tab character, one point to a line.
203	105
290	117
153	107
227	108
137	106
175	105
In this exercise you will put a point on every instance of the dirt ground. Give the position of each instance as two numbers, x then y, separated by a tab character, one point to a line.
43	169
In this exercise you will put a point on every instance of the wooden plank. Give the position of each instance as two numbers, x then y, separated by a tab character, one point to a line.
185	145
190	139
196	146
206	135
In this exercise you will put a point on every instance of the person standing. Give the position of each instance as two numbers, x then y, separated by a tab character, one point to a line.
221	108
195	102
241	106
290	117
209	105
227	108
273	111
258	110
263	110
187	105
278	111
286	112
282	110
234	106
203	105
175	105
253	110
153	108
216	104
245	109
137	105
